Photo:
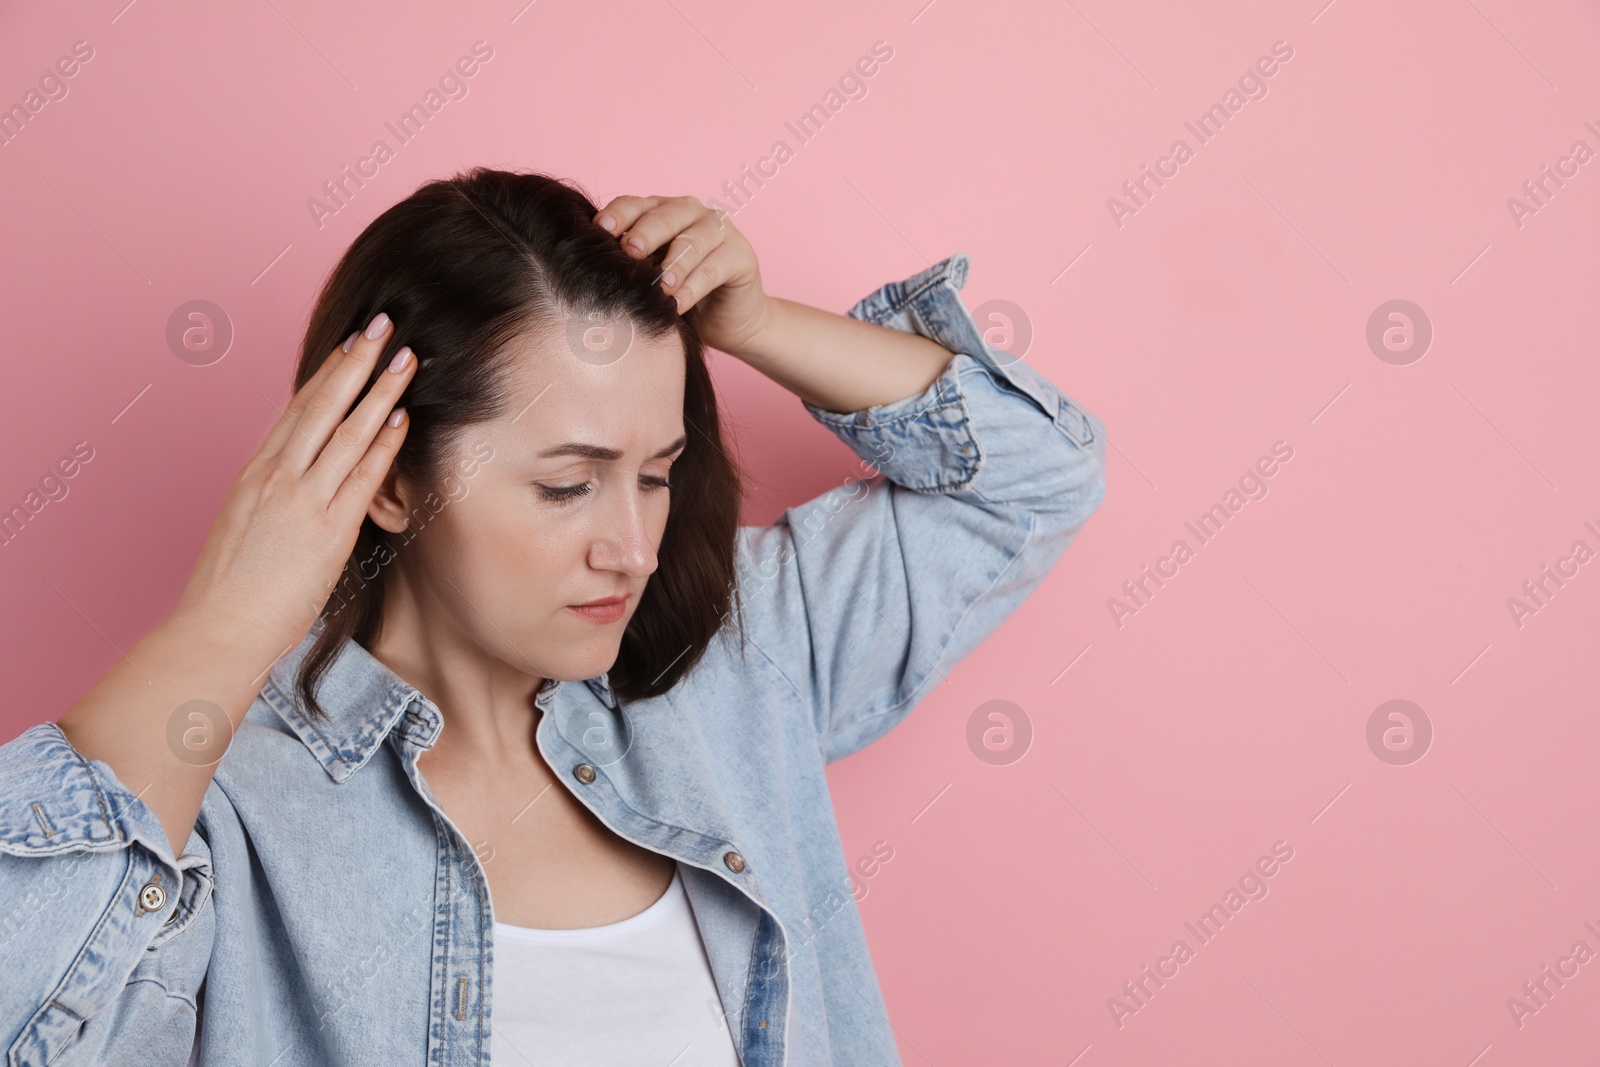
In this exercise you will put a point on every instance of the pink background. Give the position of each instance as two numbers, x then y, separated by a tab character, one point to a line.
1229	312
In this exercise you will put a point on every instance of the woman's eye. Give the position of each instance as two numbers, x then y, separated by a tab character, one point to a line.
559	494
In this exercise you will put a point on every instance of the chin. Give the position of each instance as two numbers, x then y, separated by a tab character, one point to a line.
577	664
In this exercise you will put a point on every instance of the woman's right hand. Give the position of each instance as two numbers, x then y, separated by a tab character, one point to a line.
291	516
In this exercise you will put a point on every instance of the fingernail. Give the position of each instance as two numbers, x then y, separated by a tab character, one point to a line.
396	415
348	341
401	358
608	222
377	326
669	278
637	242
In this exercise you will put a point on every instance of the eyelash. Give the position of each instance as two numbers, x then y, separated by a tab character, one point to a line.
566	494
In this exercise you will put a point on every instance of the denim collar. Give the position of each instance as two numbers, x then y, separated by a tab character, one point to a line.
365	700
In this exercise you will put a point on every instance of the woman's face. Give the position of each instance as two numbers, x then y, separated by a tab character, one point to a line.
556	503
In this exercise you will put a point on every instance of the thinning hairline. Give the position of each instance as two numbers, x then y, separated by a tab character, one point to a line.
601	453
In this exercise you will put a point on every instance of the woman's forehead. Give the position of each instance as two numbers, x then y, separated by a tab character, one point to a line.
557	356
633	404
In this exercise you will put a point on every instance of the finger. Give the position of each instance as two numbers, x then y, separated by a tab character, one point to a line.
687	251
353	437
326	407
670	217
710	273
355	494
285	426
624	211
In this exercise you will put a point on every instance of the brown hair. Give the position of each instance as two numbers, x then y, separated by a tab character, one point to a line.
464	266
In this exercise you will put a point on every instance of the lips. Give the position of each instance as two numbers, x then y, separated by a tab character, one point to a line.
602	602
606	609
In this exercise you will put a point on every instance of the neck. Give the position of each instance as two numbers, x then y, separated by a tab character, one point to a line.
488	705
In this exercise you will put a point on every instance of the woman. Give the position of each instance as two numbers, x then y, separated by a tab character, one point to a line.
456	702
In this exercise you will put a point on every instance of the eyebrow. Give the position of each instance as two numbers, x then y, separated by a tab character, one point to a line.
600	452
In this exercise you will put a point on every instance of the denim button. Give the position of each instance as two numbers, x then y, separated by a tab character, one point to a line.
152	897
584	773
734	861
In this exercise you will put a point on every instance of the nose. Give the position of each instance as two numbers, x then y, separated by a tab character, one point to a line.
625	538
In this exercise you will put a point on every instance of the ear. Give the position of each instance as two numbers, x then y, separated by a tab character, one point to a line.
391	504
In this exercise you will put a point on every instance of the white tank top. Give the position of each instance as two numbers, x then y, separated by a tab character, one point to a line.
635	991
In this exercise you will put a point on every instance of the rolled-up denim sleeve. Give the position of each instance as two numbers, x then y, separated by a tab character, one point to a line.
967	494
98	930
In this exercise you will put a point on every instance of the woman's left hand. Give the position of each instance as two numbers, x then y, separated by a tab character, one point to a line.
709	265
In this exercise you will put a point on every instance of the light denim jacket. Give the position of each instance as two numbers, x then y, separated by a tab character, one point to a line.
326	911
